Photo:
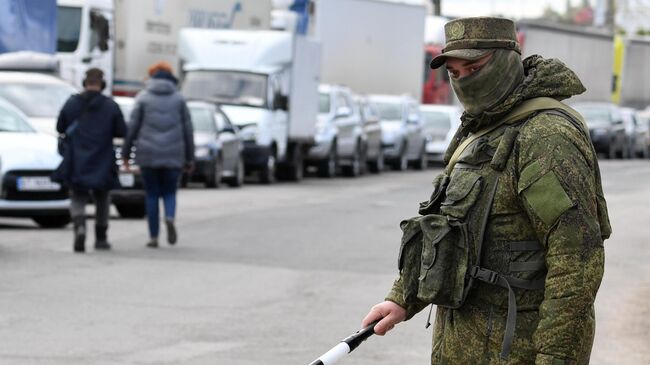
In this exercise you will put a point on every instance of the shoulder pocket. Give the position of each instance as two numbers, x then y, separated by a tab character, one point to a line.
544	194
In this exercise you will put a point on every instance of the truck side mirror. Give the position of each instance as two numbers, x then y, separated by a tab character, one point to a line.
280	102
343	112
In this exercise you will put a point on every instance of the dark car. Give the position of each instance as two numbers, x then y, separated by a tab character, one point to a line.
606	128
129	200
218	147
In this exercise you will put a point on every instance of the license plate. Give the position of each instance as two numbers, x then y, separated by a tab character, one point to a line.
127	180
37	183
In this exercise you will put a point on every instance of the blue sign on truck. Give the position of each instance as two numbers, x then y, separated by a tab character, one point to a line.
28	25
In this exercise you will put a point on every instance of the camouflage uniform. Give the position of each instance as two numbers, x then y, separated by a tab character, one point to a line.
530	193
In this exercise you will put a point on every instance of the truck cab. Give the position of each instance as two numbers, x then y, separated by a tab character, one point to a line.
267	84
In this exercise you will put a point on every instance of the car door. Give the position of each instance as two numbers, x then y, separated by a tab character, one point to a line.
344	119
414	129
228	140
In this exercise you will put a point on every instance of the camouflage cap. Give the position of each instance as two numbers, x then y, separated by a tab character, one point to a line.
473	38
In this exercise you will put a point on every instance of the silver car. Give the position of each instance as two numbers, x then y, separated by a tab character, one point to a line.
440	123
340	140
401	130
27	160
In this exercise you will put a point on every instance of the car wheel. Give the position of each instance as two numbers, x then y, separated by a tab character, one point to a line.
354	169
213	178
267	173
238	179
421	162
52	221
402	162
377	165
327	168
131	210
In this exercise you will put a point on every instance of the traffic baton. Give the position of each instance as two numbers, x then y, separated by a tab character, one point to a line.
346	346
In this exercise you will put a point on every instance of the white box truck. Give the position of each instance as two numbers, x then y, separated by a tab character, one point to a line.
371	46
267	83
124	37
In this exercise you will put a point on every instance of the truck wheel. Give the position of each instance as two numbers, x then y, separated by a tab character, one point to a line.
267	173
131	210
52	221
238	179
327	168
294	171
377	165
213	178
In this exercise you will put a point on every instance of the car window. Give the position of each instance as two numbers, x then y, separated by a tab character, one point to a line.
10	121
436	120
388	111
324	103
50	97
594	115
222	121
342	101
202	119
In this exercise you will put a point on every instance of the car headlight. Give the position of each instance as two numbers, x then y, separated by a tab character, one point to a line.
249	133
202	152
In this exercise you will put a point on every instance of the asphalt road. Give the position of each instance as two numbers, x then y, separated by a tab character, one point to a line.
271	275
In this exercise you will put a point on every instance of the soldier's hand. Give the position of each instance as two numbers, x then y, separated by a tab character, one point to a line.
391	313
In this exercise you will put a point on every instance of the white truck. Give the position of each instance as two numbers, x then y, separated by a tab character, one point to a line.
267	83
124	37
371	46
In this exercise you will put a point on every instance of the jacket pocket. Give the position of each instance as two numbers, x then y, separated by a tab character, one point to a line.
446	243
409	258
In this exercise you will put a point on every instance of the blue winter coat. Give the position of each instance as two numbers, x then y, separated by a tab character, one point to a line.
92	155
160	126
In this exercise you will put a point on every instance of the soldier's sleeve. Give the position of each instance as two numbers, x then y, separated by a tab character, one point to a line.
557	188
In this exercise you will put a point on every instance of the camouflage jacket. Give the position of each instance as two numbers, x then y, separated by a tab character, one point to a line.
548	192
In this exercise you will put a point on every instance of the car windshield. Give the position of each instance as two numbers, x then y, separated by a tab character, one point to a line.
202	119
436	120
37	100
388	111
324	103
235	88
10	121
594	115
68	20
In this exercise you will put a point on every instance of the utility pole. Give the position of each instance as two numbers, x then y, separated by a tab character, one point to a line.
436	7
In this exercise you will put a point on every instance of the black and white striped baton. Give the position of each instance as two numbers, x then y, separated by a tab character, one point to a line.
346	346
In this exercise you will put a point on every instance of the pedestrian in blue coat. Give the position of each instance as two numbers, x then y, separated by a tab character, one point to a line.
90	121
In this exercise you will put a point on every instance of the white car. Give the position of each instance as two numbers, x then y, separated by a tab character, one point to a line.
39	96
401	130
440	125
27	159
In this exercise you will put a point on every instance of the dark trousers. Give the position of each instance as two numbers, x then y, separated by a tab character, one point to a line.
78	205
160	183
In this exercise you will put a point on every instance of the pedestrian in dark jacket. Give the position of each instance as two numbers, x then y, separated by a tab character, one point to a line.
161	129
91	121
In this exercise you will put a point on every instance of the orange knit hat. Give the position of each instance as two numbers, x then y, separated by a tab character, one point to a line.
160	66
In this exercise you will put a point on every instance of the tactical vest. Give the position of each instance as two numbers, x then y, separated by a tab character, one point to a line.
441	254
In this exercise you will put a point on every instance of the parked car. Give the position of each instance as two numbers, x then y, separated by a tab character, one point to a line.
39	96
372	130
643	143
634	135
218	147
401	130
27	159
606	127
440	123
340	140
129	200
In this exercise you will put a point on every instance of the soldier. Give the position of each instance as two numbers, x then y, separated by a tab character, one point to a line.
510	244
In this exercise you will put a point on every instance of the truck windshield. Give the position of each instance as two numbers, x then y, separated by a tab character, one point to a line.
68	21
226	87
50	98
388	111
